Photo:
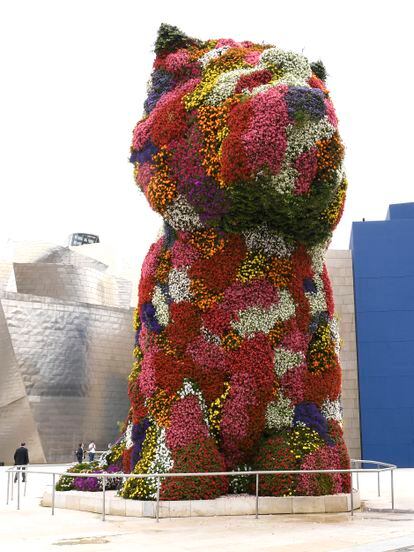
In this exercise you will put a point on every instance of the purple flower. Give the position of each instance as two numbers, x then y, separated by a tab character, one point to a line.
138	435
309	285
91	484
143	155
309	414
161	83
149	319
209	200
302	101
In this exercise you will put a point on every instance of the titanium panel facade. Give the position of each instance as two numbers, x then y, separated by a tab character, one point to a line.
65	358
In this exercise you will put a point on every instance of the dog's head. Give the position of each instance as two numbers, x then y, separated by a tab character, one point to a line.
236	135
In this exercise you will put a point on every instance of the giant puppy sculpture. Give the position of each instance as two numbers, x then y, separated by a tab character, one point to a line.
237	347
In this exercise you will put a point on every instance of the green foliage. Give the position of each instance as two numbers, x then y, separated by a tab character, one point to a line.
170	38
297	217
319	69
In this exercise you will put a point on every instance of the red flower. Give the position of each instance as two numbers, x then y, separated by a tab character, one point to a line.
169	118
234	162
201	456
302	268
253	79
328	291
219	271
184	325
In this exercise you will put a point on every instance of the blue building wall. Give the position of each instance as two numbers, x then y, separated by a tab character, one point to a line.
383	264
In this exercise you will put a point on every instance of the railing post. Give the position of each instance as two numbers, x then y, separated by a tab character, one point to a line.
53	494
8	486
352	501
392	489
25	482
379	483
13	475
357	479
18	489
103	496
257	495
157	506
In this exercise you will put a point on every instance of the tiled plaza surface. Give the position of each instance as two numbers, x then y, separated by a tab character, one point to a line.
374	530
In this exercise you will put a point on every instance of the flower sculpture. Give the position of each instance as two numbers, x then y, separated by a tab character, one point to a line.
236	357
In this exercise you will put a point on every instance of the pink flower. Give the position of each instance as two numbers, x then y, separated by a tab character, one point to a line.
177	61
324	458
183	254
295	340
293	384
147	377
307	167
144	176
208	356
261	293
227	42
151	260
187	424
252	58
330	113
265	140
238	297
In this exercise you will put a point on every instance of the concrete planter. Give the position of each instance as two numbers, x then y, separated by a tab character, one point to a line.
229	505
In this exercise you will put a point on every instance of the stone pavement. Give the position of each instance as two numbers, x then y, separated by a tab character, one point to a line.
376	530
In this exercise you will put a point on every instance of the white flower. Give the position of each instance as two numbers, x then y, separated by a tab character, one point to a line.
161	463
286	360
317	301
210	337
280	414
332	410
161	306
179	285
262	88
212	54
317	254
128	436
284	181
270	243
225	85
301	138
286	62
334	328
182	216
289	79
258	319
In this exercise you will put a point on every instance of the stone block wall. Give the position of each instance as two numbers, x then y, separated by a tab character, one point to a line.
339	264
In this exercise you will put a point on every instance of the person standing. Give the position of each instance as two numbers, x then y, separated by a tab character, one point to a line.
91	451
21	459
79	453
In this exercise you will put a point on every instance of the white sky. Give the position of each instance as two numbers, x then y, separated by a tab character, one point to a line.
74	78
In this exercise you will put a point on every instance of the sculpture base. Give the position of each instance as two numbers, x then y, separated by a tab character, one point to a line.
229	505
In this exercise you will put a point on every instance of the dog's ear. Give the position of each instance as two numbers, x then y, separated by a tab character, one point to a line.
170	39
319	69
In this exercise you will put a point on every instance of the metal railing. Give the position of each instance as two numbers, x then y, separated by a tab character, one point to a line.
381	467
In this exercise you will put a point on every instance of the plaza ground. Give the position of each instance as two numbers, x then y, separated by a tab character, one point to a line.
376	529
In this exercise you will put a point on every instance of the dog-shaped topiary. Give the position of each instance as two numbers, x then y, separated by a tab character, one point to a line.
237	346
